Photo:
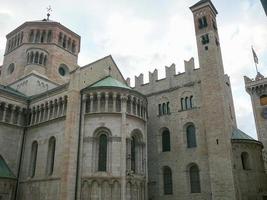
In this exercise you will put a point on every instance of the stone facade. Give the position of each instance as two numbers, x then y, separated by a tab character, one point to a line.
70	132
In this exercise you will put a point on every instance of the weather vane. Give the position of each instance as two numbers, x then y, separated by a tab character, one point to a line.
49	10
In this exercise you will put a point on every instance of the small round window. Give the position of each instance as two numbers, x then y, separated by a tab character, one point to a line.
63	70
11	68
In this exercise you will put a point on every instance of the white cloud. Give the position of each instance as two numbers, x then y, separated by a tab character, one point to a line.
143	35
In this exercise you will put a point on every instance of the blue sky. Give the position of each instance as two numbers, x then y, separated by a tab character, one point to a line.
142	35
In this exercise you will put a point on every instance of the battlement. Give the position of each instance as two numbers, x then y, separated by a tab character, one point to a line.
170	81
257	85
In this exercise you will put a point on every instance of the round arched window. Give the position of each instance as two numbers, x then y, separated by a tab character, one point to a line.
63	70
11	68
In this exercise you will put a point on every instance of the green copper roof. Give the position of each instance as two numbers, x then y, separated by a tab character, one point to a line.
240	135
110	82
5	172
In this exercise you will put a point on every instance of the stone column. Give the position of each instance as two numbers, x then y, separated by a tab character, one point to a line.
39	115
34	36
4	112
114	102
145	108
55	109
136	107
98	102
48	111
131	104
32	116
106	101
140	110
52	111
91	102
20	112
63	107
12	114
123	146
84	100
58	109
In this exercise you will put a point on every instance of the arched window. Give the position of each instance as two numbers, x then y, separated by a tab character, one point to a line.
245	160
164	109
41	58
36	57
168	108
45	59
28	57
15	41
43	36
51	156
133	156
60	39
182	104
191	136
31	37
194	179
21	37
12	43
64	41
160	110
69	44
11	68
9	45
33	159
186	103
167	180
37	37
102	153
31	57
73	46
191	101
49	36
166	144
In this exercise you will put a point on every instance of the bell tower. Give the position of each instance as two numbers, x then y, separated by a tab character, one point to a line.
217	122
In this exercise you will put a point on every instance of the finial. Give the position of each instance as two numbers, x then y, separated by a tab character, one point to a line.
49	10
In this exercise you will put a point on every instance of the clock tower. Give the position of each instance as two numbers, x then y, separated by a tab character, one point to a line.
257	89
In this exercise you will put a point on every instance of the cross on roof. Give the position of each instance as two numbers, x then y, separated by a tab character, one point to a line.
49	10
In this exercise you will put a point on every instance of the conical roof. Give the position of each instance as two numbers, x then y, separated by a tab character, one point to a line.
240	135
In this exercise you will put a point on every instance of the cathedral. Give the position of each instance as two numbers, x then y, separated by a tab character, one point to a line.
70	132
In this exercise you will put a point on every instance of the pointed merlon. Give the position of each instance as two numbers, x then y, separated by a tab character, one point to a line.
153	76
139	80
170	71
189	66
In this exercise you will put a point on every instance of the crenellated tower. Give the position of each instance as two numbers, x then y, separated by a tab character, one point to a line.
217	121
257	89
